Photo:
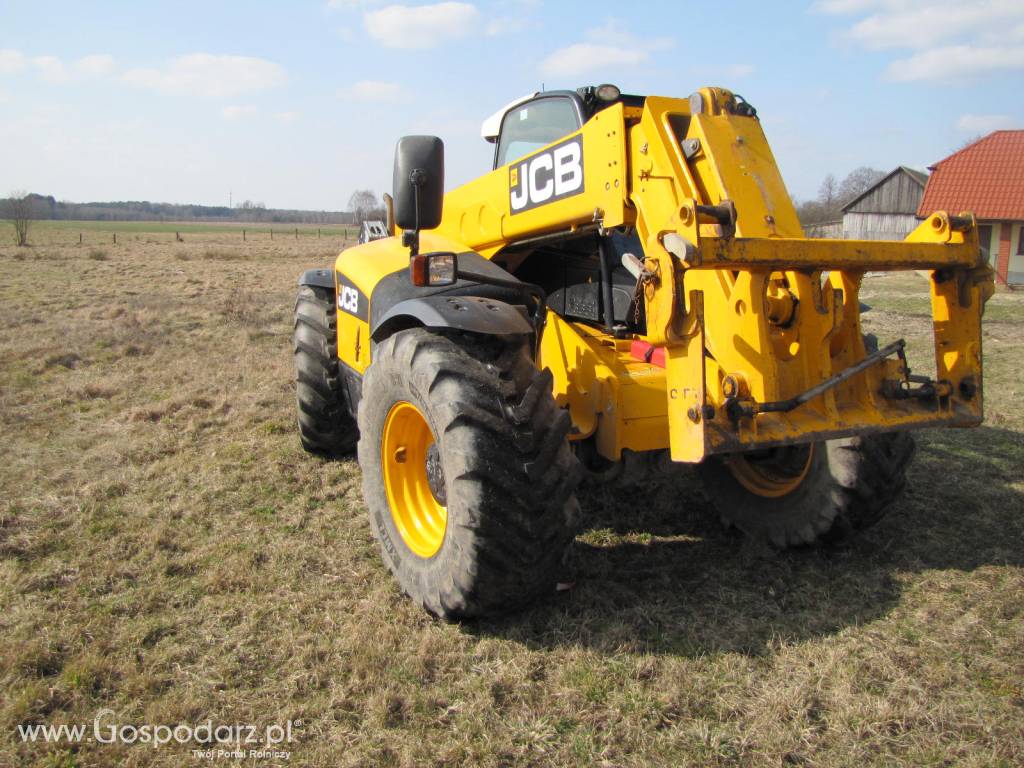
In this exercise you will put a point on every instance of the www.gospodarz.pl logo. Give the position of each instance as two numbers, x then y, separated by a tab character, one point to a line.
236	740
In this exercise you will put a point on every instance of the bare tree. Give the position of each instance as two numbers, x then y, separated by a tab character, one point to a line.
250	210
364	205
20	209
827	191
857	181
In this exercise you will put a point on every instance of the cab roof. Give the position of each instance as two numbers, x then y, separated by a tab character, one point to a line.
491	127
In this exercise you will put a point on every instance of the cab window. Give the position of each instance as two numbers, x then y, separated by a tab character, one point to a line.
533	125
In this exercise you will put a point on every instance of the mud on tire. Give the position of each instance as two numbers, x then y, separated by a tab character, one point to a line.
508	472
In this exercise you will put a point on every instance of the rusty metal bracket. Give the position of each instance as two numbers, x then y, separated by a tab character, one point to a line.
736	409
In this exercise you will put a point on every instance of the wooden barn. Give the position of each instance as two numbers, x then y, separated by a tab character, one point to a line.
886	210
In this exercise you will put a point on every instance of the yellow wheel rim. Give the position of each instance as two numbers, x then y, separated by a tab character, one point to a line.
775	475
406	444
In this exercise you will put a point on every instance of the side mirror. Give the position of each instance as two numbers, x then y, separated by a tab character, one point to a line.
418	182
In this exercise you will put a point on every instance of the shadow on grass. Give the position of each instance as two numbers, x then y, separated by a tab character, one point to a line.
670	580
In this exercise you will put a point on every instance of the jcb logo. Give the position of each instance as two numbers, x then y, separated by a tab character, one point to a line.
348	300
553	174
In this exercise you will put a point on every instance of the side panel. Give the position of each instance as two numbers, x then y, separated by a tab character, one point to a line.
356	271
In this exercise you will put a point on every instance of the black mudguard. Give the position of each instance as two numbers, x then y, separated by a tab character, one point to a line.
321	278
475	314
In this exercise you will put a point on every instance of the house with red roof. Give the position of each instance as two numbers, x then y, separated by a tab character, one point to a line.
986	178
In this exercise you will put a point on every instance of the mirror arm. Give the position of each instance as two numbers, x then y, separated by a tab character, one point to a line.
411	238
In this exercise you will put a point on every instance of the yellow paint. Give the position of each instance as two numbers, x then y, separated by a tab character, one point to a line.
619	400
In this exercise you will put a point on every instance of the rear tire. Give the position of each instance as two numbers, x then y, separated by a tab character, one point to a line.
497	463
326	425
848	486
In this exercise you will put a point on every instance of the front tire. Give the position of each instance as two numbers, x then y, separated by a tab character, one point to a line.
467	472
805	494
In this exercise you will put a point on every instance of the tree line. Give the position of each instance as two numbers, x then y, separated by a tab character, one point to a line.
37	206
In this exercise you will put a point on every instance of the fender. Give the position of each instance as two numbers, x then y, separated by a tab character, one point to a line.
373	282
465	313
395	297
318	278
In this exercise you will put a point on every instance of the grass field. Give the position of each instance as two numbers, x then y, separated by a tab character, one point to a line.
168	552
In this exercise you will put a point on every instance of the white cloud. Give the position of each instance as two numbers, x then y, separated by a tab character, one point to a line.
506	25
739	70
606	47
421	26
287	118
949	39
11	61
975	124
54	70
210	75
955	62
844	6
96	65
581	58
238	111
933	23
51	69
371	90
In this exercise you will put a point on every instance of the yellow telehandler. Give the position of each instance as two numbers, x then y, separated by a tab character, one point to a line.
630	283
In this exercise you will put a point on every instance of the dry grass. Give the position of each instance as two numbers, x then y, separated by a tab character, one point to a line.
167	550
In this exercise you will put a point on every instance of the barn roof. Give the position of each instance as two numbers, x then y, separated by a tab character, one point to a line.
920	178
986	177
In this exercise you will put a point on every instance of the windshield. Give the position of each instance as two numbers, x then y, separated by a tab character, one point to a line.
533	125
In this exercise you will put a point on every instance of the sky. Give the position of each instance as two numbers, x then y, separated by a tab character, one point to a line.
298	104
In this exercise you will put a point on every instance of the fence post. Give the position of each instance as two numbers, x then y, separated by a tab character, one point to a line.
318	233
271	233
296	233
79	238
115	238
